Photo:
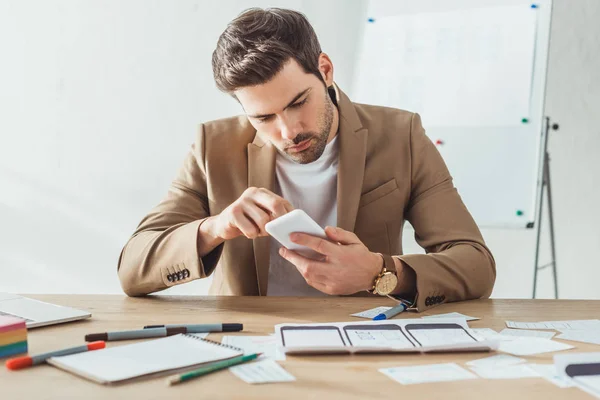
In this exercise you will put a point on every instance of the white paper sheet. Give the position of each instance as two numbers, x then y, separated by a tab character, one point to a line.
452	315
403	335
323	337
265	371
525	346
585	336
527	333
556	325
507	372
371	313
428	373
549	373
484	331
490	334
437	337
380	338
257	344
589	384
499	360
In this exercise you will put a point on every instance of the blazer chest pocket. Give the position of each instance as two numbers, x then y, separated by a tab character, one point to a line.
378	193
378	208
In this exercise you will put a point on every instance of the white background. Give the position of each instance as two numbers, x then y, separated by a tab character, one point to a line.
99	103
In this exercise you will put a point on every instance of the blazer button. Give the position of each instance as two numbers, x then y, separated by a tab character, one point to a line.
170	278
179	275
438	299
428	301
186	273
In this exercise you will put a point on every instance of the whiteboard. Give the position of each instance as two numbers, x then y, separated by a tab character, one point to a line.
475	71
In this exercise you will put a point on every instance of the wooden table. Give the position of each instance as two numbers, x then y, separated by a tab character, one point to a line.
324	377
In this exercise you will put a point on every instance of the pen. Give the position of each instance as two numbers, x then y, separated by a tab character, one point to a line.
391	312
200	328
207	369
28	361
136	334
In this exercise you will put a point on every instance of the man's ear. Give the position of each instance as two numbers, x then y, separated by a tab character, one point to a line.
326	69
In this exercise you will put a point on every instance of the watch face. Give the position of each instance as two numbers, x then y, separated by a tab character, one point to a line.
387	283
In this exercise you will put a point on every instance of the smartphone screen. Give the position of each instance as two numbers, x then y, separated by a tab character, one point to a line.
438	334
385	335
312	336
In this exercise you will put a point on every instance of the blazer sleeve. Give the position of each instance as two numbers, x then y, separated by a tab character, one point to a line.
457	264
163	250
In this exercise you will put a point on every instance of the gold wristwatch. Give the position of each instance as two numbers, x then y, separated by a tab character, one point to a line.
387	280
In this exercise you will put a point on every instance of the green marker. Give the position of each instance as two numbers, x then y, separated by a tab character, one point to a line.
216	366
524	120
519	213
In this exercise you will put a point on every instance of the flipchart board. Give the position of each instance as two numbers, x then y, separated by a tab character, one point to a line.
475	71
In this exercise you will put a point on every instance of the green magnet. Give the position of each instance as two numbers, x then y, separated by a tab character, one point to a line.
524	120
520	213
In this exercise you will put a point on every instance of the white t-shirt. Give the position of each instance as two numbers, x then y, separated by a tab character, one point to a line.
312	188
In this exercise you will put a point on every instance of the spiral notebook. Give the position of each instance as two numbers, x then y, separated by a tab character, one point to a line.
145	359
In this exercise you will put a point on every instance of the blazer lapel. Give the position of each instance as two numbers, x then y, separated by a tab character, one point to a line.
261	173
352	159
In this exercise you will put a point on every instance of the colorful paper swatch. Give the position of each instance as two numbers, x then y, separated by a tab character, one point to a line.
13	336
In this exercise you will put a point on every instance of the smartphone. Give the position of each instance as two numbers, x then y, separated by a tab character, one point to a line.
384	335
295	221
438	334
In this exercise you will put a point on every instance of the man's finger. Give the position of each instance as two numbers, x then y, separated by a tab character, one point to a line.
339	235
299	261
246	226
288	206
310	269
317	244
274	204
259	217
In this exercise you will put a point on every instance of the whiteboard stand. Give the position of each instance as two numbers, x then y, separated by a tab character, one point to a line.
544	182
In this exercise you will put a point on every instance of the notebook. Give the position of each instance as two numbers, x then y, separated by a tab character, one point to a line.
145	359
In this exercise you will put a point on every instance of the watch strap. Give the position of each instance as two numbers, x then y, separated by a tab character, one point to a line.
388	266
388	263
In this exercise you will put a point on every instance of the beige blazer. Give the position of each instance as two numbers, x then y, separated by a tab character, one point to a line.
389	172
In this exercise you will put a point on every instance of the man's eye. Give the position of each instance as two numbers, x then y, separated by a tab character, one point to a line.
300	104
264	119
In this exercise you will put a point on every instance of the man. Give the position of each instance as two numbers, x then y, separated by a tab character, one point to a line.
360	170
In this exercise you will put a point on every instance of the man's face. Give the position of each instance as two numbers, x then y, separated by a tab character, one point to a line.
293	111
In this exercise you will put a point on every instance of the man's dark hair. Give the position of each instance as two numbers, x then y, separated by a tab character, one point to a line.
258	43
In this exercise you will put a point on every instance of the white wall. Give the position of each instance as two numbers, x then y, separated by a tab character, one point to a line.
99	102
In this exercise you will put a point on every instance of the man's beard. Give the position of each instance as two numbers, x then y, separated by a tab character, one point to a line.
319	140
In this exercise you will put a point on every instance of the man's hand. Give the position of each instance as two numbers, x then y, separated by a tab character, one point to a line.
348	265
246	216
249	214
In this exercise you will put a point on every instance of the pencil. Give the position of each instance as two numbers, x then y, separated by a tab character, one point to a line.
212	367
